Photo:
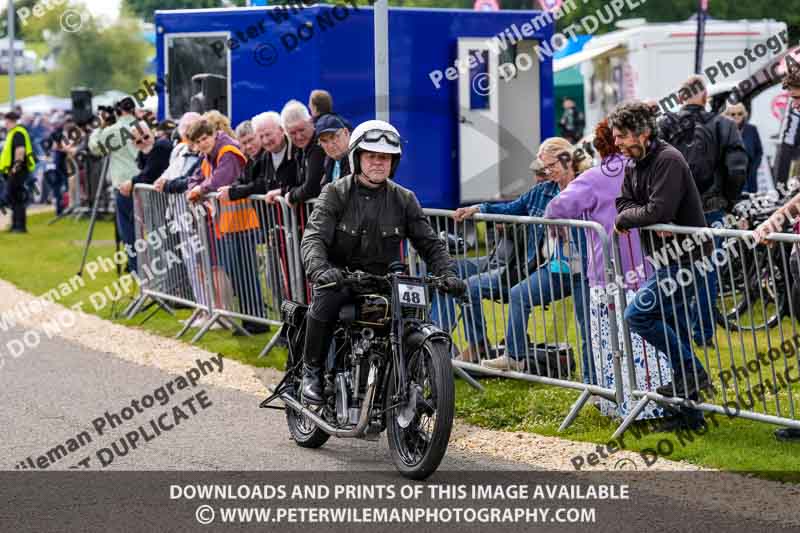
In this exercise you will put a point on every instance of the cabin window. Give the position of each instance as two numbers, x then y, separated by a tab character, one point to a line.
187	56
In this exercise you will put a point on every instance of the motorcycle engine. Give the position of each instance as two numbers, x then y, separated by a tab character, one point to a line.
351	383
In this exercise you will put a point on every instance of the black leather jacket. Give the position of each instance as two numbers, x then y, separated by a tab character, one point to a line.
360	228
729	154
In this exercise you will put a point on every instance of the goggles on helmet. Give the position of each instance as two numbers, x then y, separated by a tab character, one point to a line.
376	135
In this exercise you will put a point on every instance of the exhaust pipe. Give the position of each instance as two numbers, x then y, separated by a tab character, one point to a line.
363	420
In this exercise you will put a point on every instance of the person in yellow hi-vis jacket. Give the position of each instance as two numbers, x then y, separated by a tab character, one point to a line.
16	163
236	223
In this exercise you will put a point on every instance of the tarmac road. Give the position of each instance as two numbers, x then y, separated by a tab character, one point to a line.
54	392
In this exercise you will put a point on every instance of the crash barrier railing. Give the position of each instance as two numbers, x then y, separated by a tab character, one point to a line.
525	275
171	267
229	260
723	310
249	245
534	295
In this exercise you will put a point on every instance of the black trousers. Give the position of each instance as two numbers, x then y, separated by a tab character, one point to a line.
18	216
326	303
17	200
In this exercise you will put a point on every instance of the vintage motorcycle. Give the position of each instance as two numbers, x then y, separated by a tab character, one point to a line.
388	369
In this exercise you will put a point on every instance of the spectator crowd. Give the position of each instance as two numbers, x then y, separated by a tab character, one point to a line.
688	168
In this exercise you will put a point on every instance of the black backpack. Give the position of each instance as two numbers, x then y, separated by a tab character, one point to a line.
693	137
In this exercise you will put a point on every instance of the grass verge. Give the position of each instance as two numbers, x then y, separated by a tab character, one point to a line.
25	85
50	255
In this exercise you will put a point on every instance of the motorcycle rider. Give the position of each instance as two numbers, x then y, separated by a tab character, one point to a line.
360	222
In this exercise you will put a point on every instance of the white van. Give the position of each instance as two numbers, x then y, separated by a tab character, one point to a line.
649	61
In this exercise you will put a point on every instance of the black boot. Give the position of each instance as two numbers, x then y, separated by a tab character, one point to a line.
318	338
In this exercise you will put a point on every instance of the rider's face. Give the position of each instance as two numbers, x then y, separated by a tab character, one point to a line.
794	93
376	166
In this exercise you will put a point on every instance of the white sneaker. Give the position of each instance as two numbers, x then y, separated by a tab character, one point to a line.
504	363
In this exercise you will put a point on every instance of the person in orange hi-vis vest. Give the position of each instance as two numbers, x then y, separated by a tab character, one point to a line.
235	224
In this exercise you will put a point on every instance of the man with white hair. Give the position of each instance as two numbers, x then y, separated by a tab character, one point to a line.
297	123
281	167
184	163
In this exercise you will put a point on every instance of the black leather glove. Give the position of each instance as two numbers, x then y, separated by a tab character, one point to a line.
330	276
454	286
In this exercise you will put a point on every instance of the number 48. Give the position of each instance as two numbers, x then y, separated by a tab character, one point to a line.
411	297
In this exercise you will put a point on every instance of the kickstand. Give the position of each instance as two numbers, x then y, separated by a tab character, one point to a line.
279	389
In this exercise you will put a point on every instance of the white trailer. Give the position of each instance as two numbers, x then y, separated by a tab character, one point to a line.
650	61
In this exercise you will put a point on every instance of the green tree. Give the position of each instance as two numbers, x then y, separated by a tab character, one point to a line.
653	11
679	10
145	8
20	31
101	59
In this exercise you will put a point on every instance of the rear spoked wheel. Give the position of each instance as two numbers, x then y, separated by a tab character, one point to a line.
304	432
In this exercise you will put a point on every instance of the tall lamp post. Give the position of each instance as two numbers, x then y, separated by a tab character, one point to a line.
381	14
11	57
702	14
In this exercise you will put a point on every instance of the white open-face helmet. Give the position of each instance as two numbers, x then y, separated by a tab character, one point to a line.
375	136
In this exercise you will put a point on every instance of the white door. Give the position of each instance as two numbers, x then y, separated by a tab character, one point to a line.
479	129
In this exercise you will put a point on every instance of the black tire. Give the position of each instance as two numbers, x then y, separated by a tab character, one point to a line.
768	301
431	364
304	433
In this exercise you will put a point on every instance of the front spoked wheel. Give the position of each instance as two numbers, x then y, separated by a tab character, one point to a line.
419	430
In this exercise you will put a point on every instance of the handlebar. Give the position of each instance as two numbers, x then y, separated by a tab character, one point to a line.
353	278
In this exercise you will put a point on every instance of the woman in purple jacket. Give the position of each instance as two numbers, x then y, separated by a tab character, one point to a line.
591	196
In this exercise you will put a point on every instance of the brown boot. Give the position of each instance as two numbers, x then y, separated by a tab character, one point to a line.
472	354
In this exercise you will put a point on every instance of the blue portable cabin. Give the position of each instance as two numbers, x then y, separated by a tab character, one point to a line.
462	145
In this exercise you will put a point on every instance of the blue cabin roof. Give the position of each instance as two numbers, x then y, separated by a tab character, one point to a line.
331	47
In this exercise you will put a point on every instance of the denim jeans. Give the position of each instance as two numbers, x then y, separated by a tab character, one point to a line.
702	309
541	288
443	306
668	333
58	184
125	226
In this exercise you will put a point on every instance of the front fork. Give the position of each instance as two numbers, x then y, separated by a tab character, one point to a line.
409	327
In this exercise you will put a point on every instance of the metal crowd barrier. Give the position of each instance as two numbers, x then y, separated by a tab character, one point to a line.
164	270
529	297
578	337
736	313
227	260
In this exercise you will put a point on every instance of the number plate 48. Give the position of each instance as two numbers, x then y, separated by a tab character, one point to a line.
413	295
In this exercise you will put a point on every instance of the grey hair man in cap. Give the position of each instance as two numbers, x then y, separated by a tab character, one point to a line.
333	133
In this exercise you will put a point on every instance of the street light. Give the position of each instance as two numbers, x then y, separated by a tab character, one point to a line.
11	58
